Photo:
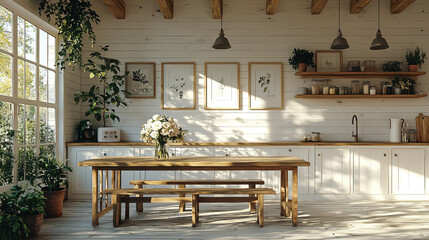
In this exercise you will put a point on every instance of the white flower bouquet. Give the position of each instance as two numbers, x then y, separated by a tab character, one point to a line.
161	129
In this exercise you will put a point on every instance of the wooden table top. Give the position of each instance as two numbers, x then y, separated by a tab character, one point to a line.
201	163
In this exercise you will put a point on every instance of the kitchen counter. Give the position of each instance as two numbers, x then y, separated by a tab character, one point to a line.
249	144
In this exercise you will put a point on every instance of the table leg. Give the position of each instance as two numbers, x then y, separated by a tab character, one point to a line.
288	210
252	205
295	196
282	192
94	196
182	205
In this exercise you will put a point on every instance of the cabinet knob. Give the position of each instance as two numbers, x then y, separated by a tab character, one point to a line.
105	154
385	155
290	150
172	154
396	155
318	154
227	155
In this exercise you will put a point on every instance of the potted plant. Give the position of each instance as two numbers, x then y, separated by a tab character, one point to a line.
408	85
301	59
108	93
415	59
53	176
12	225
31	203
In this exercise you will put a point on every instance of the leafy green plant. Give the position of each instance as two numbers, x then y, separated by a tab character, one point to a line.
30	200
109	93
74	19
301	56
416	58
11	224
53	173
6	150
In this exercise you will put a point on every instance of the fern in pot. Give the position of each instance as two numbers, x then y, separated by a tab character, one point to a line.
301	59
415	59
54	182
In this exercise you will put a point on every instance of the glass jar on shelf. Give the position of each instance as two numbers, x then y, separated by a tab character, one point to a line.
369	66
325	88
315	136
315	87
373	90
384	88
342	90
355	87
365	87
353	66
332	90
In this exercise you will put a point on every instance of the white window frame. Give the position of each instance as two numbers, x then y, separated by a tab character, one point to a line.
18	10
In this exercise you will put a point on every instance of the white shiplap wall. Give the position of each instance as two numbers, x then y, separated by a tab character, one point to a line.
145	36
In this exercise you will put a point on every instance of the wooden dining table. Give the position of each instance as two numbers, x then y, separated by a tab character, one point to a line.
115	165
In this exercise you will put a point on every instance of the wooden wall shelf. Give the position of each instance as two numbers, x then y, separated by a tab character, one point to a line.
358	74
363	96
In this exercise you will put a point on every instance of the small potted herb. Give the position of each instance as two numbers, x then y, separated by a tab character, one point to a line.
53	175
408	85
12	225
415	59
301	59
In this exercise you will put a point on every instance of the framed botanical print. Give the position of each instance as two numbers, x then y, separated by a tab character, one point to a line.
178	86
329	61
222	88
140	82
266	85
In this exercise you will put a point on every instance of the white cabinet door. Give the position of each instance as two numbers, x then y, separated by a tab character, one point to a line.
408	166
157	174
371	170
126	176
333	170
236	152
81	177
199	174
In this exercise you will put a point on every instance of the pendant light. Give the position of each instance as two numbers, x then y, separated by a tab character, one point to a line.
339	42
379	42
221	42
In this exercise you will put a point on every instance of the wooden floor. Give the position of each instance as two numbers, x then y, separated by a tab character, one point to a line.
317	220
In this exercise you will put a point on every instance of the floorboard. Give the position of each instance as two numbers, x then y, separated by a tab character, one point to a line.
317	220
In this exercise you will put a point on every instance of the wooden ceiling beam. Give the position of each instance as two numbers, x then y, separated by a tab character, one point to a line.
317	6
397	6
217	7
117	7
357	5
167	7
271	6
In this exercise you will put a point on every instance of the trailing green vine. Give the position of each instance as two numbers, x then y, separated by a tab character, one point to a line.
74	19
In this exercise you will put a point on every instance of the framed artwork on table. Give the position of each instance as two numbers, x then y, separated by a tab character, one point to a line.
140	82
329	61
178	86
222	87
265	85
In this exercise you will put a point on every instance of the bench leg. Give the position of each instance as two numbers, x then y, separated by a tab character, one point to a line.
295	196
288	212
116	210
139	206
283	174
198	208
252	205
182	205
194	210
127	209
261	210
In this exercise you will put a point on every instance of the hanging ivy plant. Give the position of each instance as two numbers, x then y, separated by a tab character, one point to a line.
74	19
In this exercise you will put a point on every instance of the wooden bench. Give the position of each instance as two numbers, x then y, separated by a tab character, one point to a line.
182	184
125	195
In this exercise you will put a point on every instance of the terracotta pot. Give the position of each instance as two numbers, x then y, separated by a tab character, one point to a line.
54	202
34	223
302	67
413	68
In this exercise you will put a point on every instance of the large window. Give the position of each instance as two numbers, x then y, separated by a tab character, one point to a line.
28	105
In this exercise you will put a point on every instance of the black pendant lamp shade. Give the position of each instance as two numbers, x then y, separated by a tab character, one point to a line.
221	42
379	43
339	42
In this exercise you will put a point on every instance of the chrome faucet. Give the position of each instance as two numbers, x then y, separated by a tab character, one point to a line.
356	136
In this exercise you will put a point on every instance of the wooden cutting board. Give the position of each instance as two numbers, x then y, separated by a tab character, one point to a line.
419	127
425	131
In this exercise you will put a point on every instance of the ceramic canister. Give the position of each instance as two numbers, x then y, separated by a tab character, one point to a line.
395	129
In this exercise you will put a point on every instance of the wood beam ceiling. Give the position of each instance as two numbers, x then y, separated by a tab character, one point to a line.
397	6
117	7
167	7
317	6
217	7
357	5
271	6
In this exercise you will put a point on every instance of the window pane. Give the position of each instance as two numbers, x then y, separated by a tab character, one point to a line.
51	51
26	124
26	39
43	47
43	84
51	86
47	151
27	164
6	143
5	29
5	74
26	80
47	125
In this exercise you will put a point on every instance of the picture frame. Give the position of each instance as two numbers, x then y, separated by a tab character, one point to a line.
178	86
329	61
140	82
265	85
222	86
